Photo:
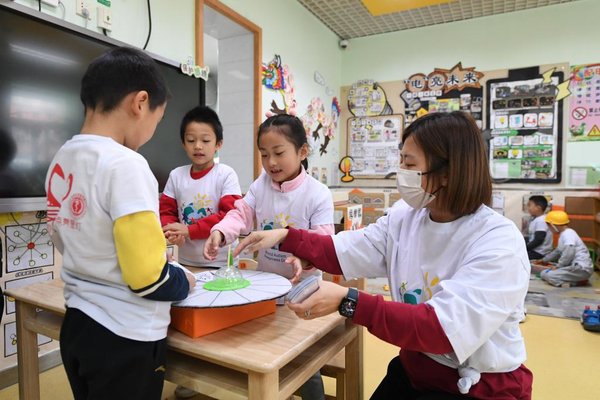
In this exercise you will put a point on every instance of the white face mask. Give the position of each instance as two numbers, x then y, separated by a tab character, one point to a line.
408	183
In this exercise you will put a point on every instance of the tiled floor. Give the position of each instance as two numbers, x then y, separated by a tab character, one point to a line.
564	358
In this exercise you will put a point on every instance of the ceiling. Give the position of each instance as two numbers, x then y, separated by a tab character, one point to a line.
350	18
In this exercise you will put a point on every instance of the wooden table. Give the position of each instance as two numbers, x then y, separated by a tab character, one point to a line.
266	358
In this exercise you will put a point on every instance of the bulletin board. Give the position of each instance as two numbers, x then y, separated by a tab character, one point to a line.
366	98
444	90
373	143
525	119
584	113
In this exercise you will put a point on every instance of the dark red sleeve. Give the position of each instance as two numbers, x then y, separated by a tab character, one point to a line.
201	229
168	210
409	326
316	248
414	327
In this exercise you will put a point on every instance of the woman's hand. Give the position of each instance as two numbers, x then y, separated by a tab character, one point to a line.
211	246
259	240
322	302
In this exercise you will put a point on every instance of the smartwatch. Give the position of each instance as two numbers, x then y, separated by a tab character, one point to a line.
348	305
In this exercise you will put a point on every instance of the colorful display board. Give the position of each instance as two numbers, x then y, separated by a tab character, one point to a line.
373	145
584	112
525	119
444	90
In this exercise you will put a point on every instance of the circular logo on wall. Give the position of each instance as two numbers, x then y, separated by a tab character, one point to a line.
78	205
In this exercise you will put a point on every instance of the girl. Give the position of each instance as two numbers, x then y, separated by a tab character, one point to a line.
458	272
284	195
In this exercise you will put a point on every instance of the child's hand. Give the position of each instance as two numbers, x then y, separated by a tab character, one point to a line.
178	240
211	246
258	240
298	265
176	232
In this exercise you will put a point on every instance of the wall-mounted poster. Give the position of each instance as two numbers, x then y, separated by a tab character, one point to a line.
366	98
444	90
584	104
373	145
525	119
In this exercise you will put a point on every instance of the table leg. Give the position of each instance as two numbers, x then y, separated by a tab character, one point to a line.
27	353
263	386
352	370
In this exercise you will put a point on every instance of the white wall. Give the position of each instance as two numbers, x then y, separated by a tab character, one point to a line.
560	33
305	45
172	26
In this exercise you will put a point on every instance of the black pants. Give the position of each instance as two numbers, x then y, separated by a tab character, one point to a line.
101	365
396	386
534	255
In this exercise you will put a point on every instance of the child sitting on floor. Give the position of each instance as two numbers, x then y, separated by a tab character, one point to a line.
574	265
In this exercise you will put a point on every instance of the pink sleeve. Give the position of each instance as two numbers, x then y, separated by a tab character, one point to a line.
327	229
237	221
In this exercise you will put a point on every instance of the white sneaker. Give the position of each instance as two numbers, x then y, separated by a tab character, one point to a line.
181	392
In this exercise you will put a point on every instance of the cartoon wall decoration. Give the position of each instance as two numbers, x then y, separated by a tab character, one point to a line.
277	77
584	104
189	68
346	167
525	118
320	126
444	90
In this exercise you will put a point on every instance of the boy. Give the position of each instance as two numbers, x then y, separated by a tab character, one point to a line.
574	265
540	237
103	215
197	196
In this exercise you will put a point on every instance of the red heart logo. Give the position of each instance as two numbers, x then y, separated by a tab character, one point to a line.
58	186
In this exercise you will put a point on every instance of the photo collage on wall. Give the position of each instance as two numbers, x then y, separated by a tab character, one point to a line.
373	145
524	119
444	90
374	132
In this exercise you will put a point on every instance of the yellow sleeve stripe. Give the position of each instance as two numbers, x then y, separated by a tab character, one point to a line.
141	247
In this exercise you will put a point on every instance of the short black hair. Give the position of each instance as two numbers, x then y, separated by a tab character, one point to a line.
202	114
288	125
118	72
540	201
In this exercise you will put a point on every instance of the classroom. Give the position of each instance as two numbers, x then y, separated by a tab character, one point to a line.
222	184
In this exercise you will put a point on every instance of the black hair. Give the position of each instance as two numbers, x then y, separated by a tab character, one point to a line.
540	201
202	114
288	125
118	72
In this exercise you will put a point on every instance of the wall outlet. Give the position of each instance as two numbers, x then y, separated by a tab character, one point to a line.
104	17
82	9
53	3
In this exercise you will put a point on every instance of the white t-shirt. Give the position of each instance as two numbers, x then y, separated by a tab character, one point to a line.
539	224
197	199
473	271
93	181
582	255
307	206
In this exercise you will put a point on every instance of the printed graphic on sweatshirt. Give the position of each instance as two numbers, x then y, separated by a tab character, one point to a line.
200	208
60	186
281	220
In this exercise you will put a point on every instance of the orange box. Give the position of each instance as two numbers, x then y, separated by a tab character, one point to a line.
196	322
